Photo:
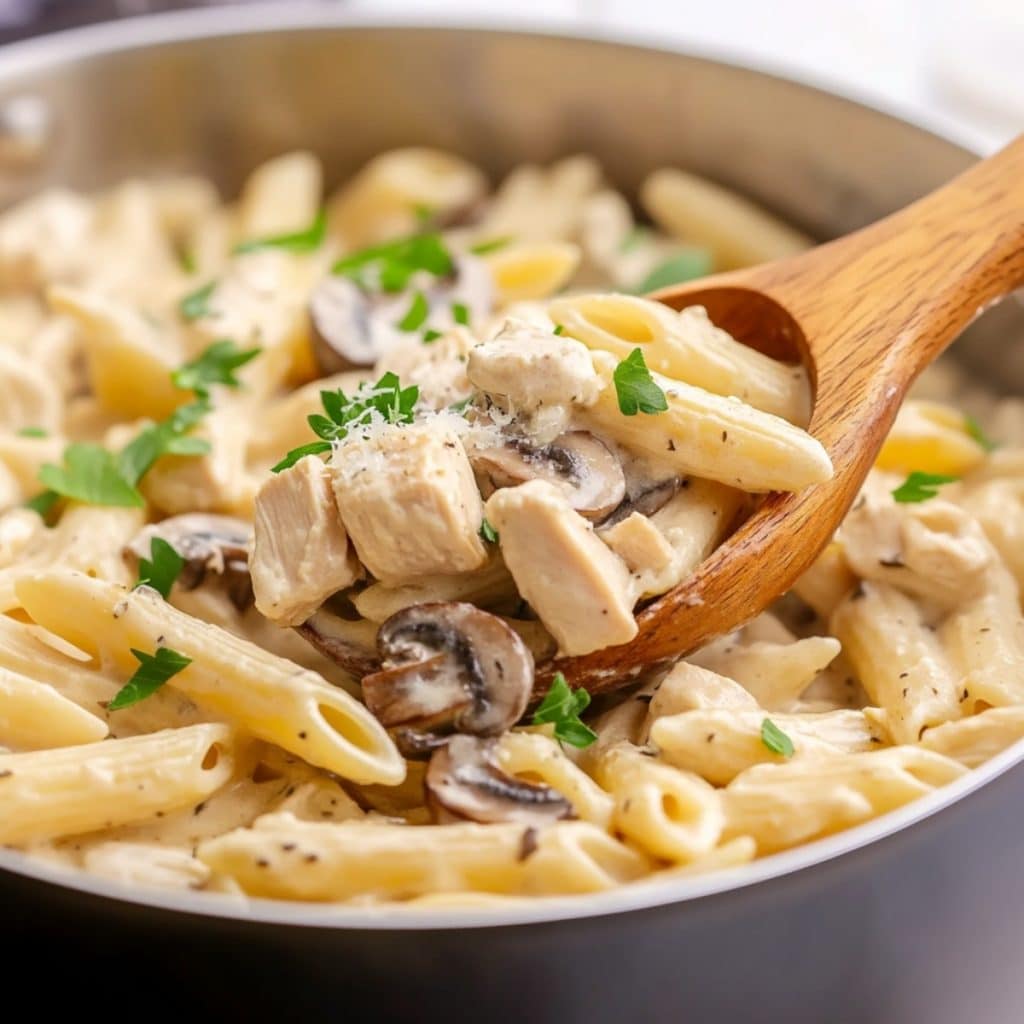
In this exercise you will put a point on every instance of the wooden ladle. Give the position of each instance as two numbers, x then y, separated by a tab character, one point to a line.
867	312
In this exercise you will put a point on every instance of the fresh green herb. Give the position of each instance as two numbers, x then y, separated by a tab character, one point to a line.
460	406
424	212
460	313
216	365
430	335
91	474
775	739
295	241
161	569
168	437
559	329
197	304
390	266
492	245
684	266
32	432
921	486
562	706
187	260
416	315
635	387
488	532
154	670
634	238
43	503
387	398
975	431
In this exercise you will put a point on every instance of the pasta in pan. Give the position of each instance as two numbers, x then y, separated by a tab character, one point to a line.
295	492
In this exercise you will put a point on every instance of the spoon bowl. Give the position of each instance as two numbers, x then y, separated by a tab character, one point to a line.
866	314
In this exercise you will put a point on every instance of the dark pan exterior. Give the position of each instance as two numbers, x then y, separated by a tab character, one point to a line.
923	925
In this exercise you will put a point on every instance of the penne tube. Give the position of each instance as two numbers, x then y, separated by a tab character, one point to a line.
281	196
972	741
898	659
52	793
532	270
713	437
686	346
829	579
34	716
273	699
929	437
283	858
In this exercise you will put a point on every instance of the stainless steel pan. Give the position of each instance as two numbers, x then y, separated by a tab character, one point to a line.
917	917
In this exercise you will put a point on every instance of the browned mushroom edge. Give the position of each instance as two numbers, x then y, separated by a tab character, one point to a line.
352	328
646	499
335	636
576	462
210	545
465	783
447	667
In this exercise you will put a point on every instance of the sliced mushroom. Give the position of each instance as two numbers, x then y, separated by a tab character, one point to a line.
464	782
646	499
208	544
448	667
347	332
577	463
353	328
346	641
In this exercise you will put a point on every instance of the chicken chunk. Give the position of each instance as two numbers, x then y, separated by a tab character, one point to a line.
301	554
409	501
575	583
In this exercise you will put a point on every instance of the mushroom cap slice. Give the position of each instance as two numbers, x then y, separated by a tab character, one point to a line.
448	667
347	332
577	463
208	544
339	639
647	499
464	782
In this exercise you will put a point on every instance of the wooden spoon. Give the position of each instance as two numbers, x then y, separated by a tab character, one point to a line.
867	313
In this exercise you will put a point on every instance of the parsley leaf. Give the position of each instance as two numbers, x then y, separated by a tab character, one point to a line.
684	266
417	315
197	304
430	336
295	241
559	330
43	502
977	433
215	365
154	670
32	432
460	313
161	569
91	474
635	387
775	739
562	707
187	261
390	266
164	438
492	245
921	486
387	398
488	532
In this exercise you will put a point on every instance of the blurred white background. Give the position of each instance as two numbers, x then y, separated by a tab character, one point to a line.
956	64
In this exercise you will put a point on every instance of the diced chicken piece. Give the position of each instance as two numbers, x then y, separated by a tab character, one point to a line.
534	368
301	553
644	549
409	501
575	583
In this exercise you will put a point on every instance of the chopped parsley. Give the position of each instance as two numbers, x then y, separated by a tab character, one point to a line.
430	335
460	313
43	503
387	399
635	387
417	314
424	212
91	474
161	569
154	670
389	267
215	365
168	437
775	739
488	532
559	329
977	433
32	432
197	304
294	241
921	486
562	707
492	245
684	266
